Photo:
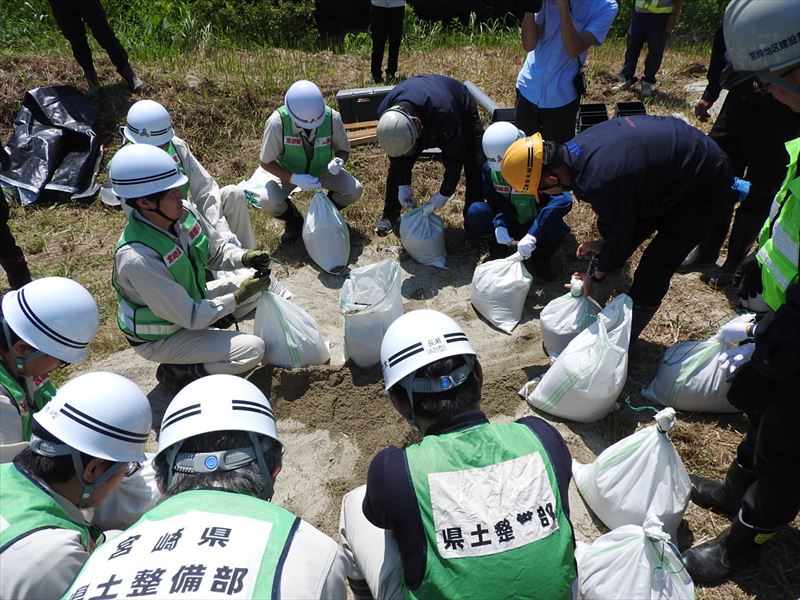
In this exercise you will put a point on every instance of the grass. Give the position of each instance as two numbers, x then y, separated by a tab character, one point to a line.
219	99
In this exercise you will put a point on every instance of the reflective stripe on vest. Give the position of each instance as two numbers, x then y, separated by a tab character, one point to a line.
492	515
524	204
294	158
45	389
203	543
140	322
779	240
655	6
26	507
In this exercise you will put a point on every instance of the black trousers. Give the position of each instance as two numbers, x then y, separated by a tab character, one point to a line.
650	28
769	448
11	257
556	124
73	16
385	23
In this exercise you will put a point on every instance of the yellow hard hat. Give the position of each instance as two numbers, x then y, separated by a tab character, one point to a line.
522	163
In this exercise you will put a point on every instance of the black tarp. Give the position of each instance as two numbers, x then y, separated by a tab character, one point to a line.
53	146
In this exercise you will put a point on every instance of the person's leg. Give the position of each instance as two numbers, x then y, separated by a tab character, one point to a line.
526	115
473	164
656	33
379	28
479	219
636	39
275	202
550	228
395	37
343	189
373	552
11	257
95	17
71	25
391	205
558	124
234	209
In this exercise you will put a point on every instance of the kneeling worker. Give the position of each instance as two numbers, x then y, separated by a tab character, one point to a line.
474	510
167	311
217	534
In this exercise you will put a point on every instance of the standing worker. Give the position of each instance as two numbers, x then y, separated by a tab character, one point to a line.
422	112
761	491
386	22
641	175
474	510
305	146
11	257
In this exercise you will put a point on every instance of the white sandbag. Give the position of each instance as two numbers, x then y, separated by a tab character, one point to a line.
325	235
640	474
133	497
564	318
499	289
692	377
588	375
422	235
633	562
370	301
292	336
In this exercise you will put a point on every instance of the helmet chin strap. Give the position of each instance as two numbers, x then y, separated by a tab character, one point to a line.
19	361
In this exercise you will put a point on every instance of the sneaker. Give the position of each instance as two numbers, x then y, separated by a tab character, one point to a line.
385	226
647	89
623	85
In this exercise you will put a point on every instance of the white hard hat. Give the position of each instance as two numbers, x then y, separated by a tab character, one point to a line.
419	338
761	37
55	315
496	140
140	170
397	132
100	414
305	104
148	122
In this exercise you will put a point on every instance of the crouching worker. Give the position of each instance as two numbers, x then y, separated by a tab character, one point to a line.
83	443
474	510
217	533
510	215
167	311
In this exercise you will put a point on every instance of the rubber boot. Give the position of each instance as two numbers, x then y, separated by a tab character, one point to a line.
293	223
642	314
540	265
743	235
176	377
134	83
716	560
706	253
726	497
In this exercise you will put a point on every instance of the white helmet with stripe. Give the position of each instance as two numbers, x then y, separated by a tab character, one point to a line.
305	104
496	140
139	170
419	338
54	315
148	122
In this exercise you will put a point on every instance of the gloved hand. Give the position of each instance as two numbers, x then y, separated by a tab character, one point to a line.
749	287
251	286
438	200
701	110
502	236
526	245
305	182
741	187
335	166
256	259
732	359
405	196
737	331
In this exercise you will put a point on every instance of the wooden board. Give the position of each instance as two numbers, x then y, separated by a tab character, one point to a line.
364	132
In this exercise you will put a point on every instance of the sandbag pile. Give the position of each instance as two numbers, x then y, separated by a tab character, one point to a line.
291	335
564	318
588	375
422	235
499	289
640	474
325	235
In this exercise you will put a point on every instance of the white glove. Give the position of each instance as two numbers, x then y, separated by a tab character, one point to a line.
502	236
733	358
734	332
438	200
405	196
526	245
335	166
305	182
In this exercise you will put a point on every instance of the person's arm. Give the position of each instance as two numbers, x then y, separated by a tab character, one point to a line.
575	42
339	141
675	16
272	147
202	187
777	351
501	206
531	31
715	66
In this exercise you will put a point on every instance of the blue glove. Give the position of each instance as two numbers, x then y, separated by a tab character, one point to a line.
741	187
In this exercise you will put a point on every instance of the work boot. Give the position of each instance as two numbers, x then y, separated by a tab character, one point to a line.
743	235
726	497
134	83
715	560
640	317
699	258
624	85
91	80
176	377
647	89
386	225
293	223
541	267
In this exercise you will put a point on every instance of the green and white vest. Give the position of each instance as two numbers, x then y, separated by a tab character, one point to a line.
198	544
25	507
294	157
655	6
140	322
524	204
492	515
45	389
779	240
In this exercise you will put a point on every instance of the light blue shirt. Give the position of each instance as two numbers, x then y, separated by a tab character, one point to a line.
546	77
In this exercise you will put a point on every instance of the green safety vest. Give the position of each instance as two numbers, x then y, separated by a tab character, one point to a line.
294	157
655	6
187	269
25	507
779	240
173	152
45	390
524	204
237	544
492	514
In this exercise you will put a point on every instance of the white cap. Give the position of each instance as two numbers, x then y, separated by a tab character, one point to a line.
305	104
140	170
148	122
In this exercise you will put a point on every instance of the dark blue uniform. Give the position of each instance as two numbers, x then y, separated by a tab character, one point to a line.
645	175
450	122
